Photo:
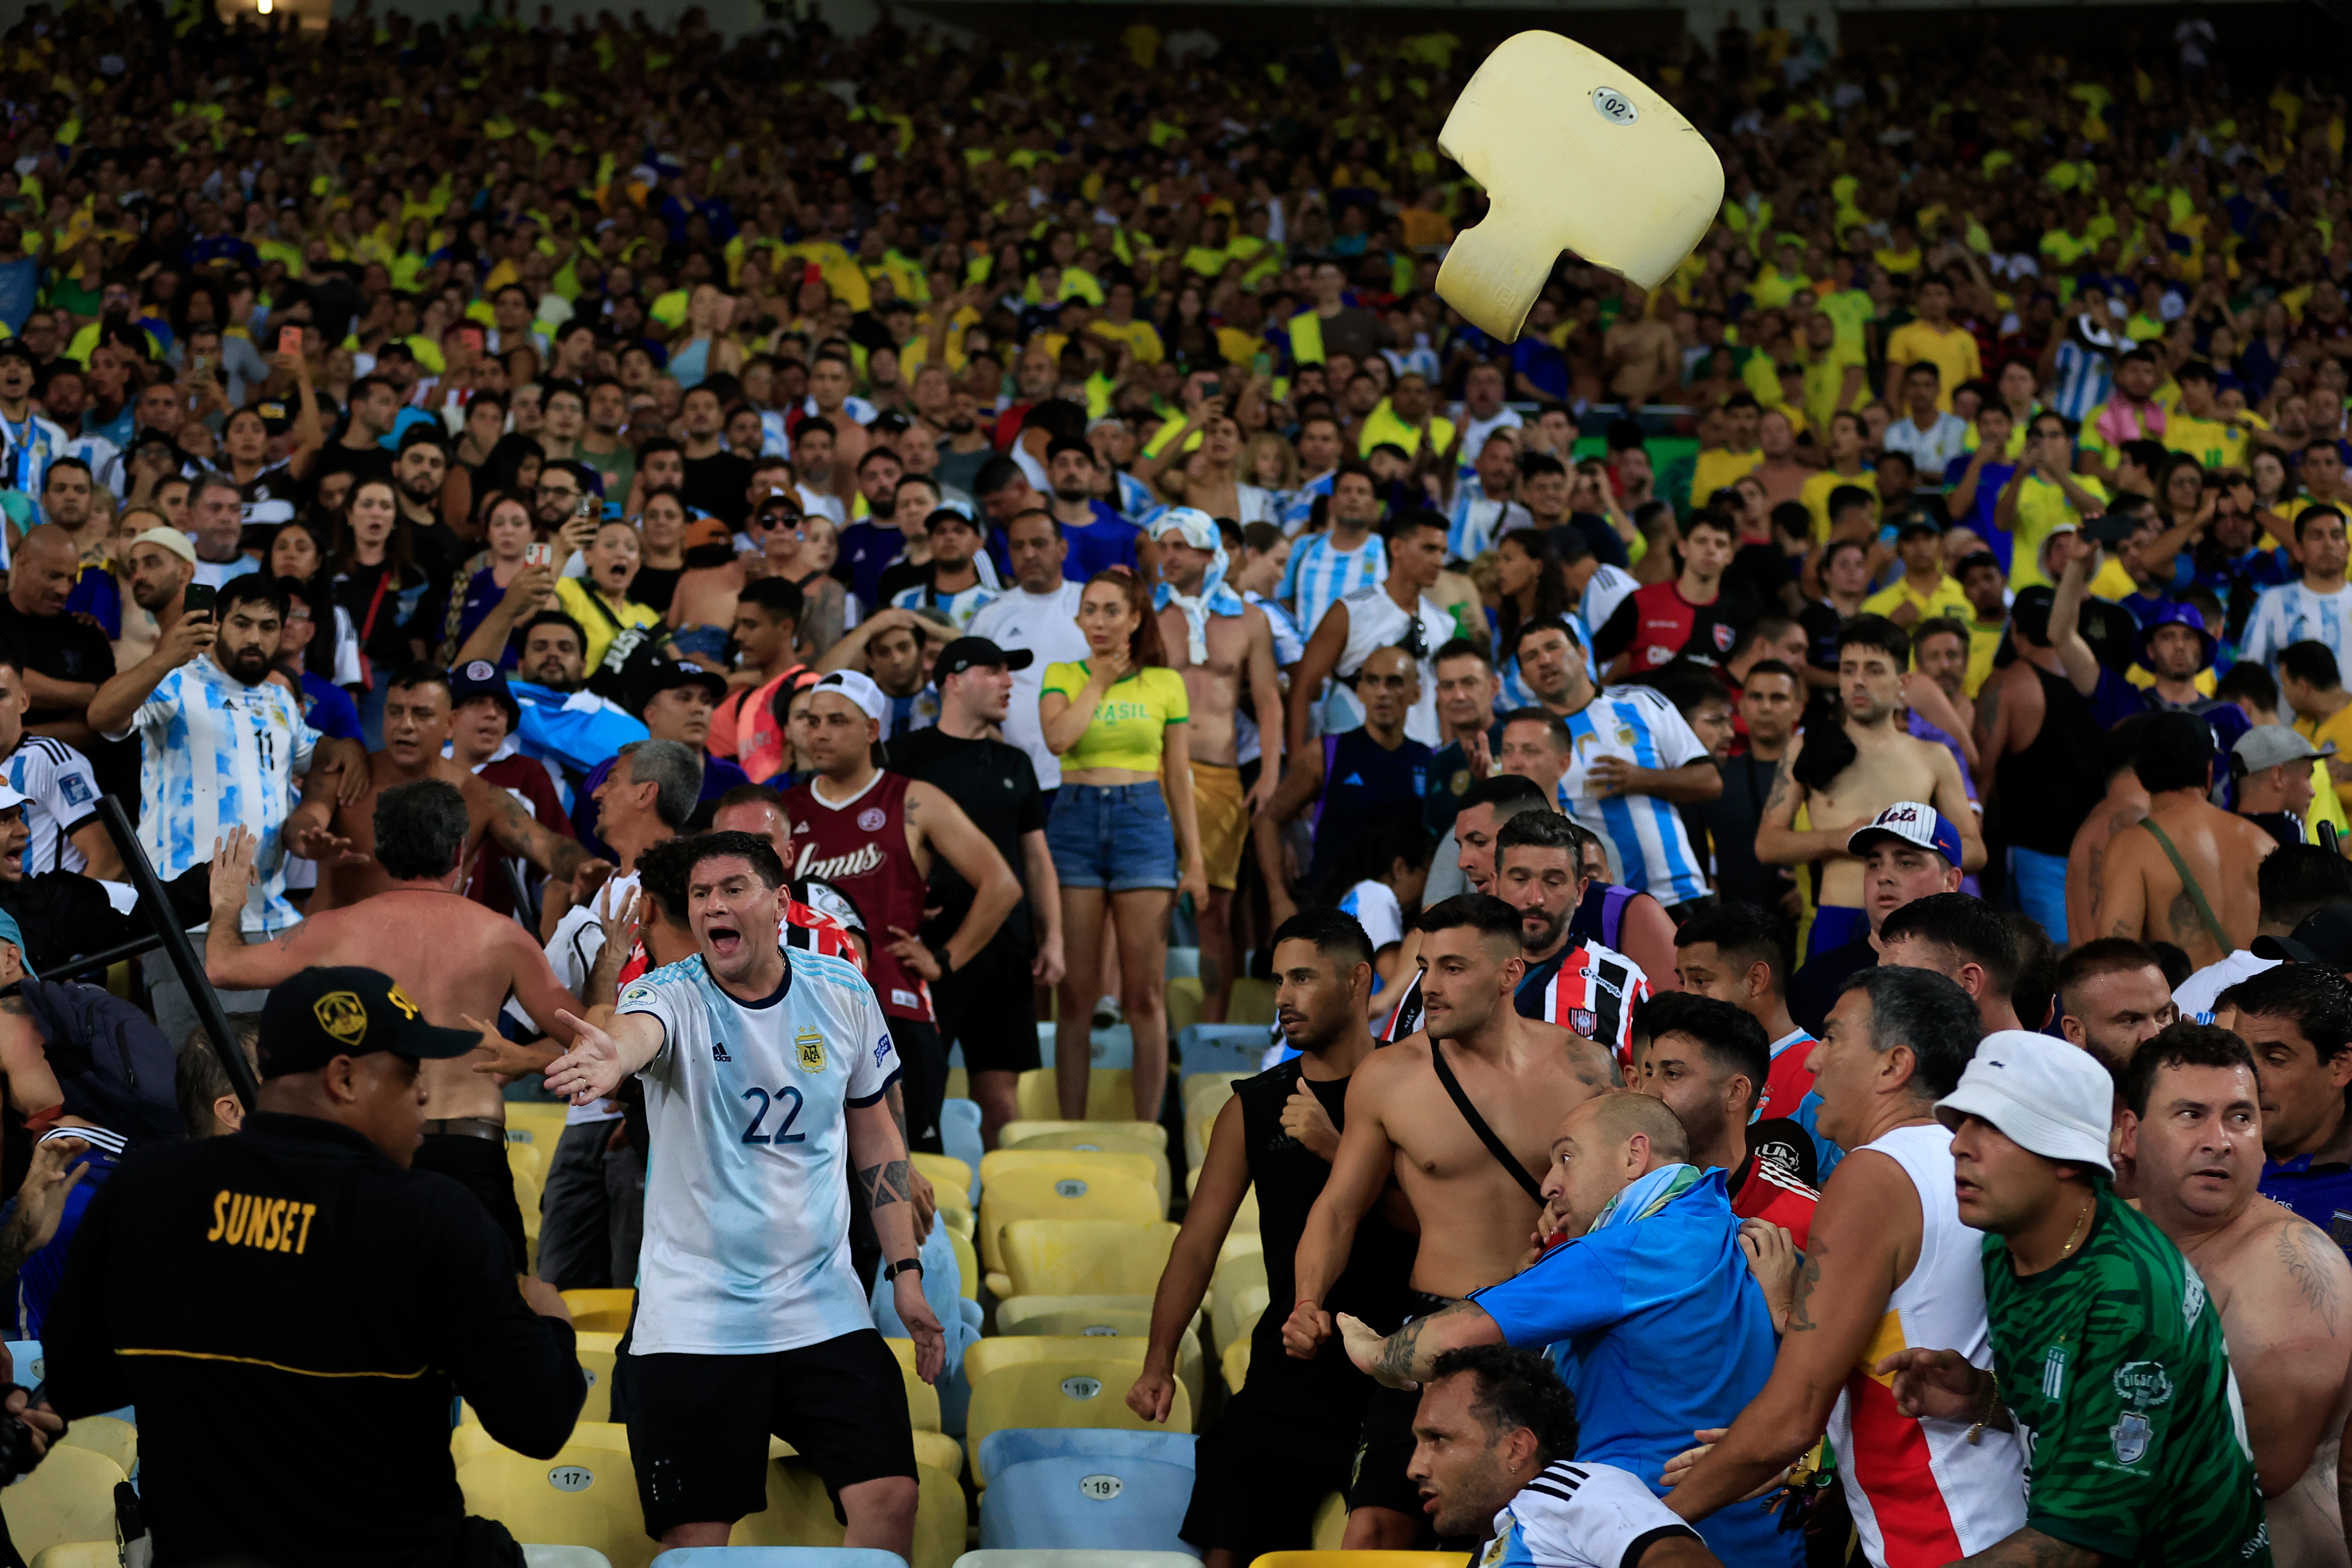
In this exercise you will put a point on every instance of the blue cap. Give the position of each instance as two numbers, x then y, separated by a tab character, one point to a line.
2173	614
1913	822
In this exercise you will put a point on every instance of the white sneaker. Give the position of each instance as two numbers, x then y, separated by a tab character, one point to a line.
1108	1014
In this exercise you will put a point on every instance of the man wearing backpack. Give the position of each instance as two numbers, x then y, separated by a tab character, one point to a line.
88	1072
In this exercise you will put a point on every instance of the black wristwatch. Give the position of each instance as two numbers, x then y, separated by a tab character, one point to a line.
911	1266
939	955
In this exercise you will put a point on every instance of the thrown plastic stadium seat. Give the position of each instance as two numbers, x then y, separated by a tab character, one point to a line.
1361	1559
70	1499
600	1311
1094	1488
777	1557
109	1434
564	1557
1103	1195
1021	1382
585	1496
959	1136
1049	1557
1086	1257
1111	1094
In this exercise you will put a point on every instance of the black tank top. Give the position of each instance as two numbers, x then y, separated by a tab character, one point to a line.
2047	789
1289	1177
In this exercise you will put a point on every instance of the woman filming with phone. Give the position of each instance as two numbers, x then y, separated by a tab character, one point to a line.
1124	836
515	571
378	581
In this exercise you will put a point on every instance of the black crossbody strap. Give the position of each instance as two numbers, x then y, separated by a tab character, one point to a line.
1495	1146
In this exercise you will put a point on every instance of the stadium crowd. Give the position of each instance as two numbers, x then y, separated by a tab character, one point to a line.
629	546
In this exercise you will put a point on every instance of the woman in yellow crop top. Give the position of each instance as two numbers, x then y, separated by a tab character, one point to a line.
1122	823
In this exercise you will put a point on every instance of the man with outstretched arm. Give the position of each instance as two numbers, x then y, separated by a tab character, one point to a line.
764	1072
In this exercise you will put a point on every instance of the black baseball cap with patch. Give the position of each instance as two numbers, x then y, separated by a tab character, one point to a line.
322	1014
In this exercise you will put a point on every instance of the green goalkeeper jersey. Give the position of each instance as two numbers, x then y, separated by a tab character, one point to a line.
2113	1367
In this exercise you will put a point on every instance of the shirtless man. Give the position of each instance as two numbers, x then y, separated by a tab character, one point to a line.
1476	1214
2192	1123
455	958
1642	358
1887	765
702	607
1218	642
340	834
2125	803
1203	478
2205	900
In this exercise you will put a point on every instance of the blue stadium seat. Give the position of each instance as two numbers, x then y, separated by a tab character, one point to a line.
1221	1047
777	1557
26	1356
1111	1047
1046	1557
959	1136
1086	1487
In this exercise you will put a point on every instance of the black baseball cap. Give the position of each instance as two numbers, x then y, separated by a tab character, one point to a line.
965	653
322	1014
2324	937
655	674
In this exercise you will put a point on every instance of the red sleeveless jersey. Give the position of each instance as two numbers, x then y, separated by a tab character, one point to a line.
860	847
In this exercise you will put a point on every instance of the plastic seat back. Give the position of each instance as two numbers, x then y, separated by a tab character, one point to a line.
1101	1194
585	1496
70	1500
777	1557
600	1311
1086	1257
109	1434
1091	1489
1111	1094
1048	1557
959	1136
1055	1383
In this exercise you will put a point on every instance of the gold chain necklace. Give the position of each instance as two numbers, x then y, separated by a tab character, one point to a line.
2081	1220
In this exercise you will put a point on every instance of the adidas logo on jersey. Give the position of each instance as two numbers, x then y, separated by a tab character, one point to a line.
719	1052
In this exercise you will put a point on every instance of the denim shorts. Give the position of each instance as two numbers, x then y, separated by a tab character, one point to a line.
1118	837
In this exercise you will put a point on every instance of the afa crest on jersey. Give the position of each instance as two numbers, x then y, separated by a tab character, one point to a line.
808	1049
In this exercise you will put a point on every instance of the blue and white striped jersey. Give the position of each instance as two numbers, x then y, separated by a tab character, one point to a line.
1298	505
1476	522
2291	613
1580	1516
1640	725
2081	378
1319	576
1135	500
959	607
747	1190
215	753
60	793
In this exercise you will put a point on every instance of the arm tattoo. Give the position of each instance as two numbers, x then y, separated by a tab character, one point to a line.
1800	1296
2307	1269
1782	783
15	1005
1397	1352
885	1183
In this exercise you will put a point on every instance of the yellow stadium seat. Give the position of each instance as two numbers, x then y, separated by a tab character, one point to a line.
1128	1323
70	1499
530	1160
1062	1195
1205	1093
1149	1164
1111	1094
1361	1559
1015	1313
536	1123
966	1264
585	1496
1023	1134
800	1512
1237	1296
922	1399
77	1554
597	1354
600	1311
1041	1382
1245	1217
109	1434
1239	1243
958	1084
1330	1528
947	1173
1251	1003
1183	996
1234	1364
1086	1257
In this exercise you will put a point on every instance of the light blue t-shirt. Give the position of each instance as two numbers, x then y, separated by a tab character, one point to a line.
1660	1330
747	1189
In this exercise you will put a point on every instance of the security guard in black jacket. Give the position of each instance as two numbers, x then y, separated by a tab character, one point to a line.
291	1310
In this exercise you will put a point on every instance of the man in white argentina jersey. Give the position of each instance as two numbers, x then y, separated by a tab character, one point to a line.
763	1073
1494	1454
2317	605
1890	1267
60	792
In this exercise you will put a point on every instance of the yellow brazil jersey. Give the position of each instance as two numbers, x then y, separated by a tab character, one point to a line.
1952	351
1816	490
1129	727
1984	642
2042	506
1944	599
1717	468
2210	442
1141	338
2112	582
1382	425
598	617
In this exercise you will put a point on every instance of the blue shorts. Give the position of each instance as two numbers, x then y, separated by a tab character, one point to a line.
708	641
2040	881
1118	837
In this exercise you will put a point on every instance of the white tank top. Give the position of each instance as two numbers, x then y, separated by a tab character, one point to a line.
1921	1494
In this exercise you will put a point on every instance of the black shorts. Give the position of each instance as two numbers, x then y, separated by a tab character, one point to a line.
481	1167
698	1425
1272	1428
922	1078
1386	1451
990	1008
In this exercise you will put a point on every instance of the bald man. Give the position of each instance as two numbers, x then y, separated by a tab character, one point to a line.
65	660
1646	1275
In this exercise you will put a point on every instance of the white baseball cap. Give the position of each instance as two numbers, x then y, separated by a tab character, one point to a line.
9	799
2045	1096
859	689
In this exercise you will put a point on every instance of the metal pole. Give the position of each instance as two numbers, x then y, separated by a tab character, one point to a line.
176	946
84	963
